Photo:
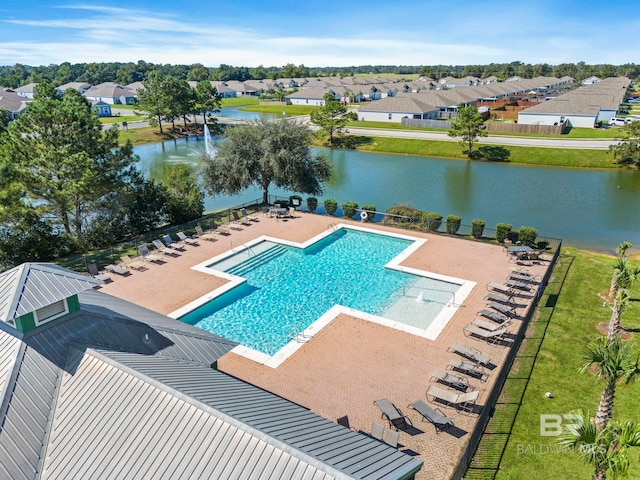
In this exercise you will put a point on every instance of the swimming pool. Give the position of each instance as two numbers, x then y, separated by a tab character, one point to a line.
287	288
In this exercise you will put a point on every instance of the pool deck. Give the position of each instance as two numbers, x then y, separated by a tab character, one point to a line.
352	362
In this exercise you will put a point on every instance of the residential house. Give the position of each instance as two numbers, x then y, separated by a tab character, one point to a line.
103	109
111	93
92	386
394	109
13	103
26	91
81	87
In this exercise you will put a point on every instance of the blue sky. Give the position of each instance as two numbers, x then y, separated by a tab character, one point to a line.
319	33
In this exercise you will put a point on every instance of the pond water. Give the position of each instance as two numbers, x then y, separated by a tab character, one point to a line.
238	114
593	209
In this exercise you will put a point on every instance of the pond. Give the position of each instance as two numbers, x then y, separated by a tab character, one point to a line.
592	209
237	114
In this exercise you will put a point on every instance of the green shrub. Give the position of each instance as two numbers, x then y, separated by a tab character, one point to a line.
453	224
349	209
528	236
312	204
502	230
434	220
370	212
413	215
330	206
477	227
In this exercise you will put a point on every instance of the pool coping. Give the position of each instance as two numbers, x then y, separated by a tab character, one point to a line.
431	332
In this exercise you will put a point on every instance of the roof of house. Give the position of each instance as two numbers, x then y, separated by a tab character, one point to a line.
117	391
408	104
28	88
12	102
80	86
110	90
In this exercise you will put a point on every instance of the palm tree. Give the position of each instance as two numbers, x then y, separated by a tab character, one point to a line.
612	360
605	449
624	276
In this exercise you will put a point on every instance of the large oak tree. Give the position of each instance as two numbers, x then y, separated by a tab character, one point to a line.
263	153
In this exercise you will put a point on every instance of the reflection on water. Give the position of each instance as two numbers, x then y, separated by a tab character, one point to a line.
596	209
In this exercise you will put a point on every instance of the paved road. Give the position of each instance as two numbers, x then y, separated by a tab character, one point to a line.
600	144
491	140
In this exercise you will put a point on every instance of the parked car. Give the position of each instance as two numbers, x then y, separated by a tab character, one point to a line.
617	121
634	100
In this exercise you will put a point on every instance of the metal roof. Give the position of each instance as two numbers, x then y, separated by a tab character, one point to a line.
30	286
117	391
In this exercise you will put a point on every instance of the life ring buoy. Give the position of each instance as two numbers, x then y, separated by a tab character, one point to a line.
364	215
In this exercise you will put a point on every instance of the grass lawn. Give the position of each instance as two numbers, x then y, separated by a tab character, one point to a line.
556	157
570	311
240	101
278	109
140	136
122	118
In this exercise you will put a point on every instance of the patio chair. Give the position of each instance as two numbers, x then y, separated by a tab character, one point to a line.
471	369
377	430
459	401
93	270
470	353
508	310
117	269
435	416
243	212
188	240
490	326
201	234
147	255
390	437
171	244
500	288
237	219
523	277
494	336
218	230
162	248
459	383
131	263
394	416
518	285
496	297
494	316
344	421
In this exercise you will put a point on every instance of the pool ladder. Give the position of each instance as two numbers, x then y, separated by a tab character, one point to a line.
297	334
333	227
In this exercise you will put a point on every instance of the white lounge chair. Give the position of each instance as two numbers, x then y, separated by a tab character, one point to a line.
188	240
496	297
459	383
471	369
147	255
131	263
171	244
93	270
494	336
491	326
162	248
470	353
200	233
500	288
243	212
117	269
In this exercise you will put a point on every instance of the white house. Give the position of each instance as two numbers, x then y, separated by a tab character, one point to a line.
394	109
310	96
79	86
26	91
111	93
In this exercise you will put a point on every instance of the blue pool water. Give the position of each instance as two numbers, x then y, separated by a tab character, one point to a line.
289	288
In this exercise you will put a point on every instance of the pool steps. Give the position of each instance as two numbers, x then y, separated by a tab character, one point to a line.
256	260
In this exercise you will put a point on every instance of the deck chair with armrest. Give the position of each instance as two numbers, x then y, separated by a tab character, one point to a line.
491	326
188	240
217	229
169	242
494	336
131	263
500	288
472	369
162	248
93	270
515	284
201	234
237	219
459	383
243	212
508	310
496	297
471	353
459	401
147	255
432	415
393	415
523	277
499	318
117	269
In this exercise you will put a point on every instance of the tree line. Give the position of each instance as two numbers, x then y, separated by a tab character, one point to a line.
130	72
66	186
